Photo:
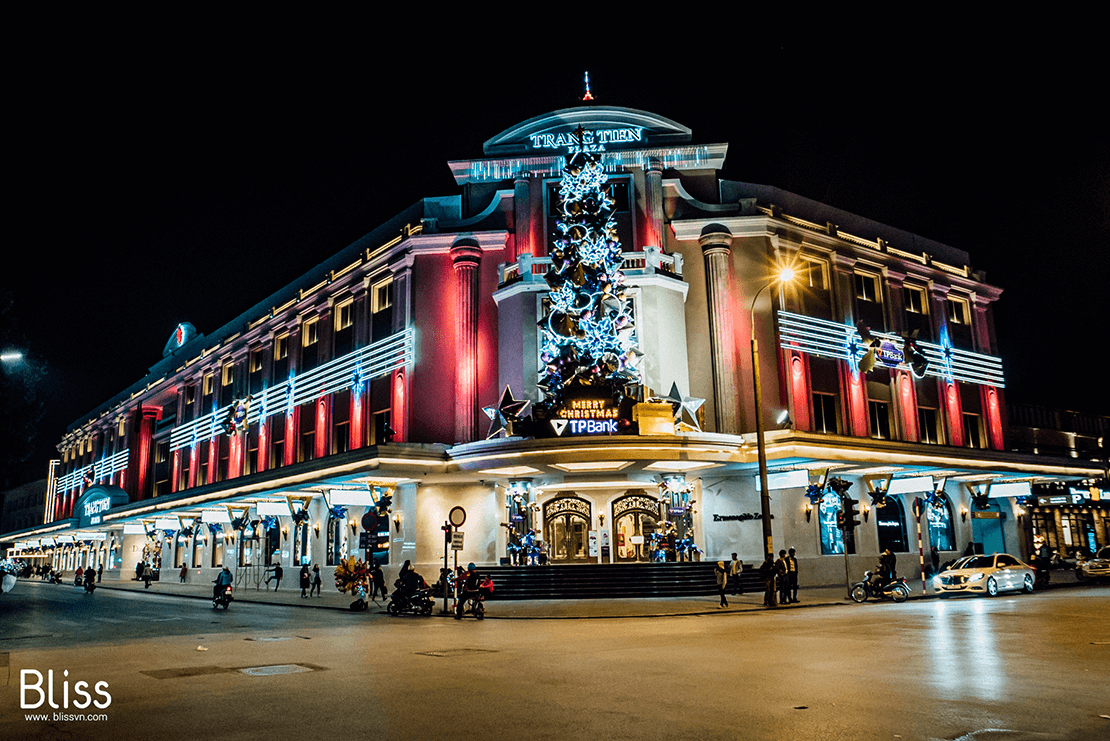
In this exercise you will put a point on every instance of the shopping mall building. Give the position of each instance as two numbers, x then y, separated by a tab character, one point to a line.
361	389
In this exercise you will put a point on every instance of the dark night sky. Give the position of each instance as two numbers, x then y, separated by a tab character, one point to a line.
186	181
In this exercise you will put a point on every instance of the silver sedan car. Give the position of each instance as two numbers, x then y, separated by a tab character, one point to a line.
988	575
1095	568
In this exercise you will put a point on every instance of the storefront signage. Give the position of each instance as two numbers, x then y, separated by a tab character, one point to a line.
889	355
588	416
97	500
592	141
743	517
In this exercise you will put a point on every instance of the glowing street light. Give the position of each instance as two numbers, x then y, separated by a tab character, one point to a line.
785	275
11	356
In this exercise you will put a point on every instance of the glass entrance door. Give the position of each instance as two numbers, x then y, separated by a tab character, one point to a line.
567	528
633	530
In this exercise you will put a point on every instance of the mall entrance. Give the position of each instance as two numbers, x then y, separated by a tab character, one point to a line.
566	523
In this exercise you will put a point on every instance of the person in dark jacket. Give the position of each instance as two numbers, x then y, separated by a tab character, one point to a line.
316	581
791	576
767	573
721	572
469	591
306	581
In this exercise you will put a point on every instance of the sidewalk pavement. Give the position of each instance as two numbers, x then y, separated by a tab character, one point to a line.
290	595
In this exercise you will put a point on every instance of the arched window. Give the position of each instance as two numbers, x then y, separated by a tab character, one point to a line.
941	535
890	520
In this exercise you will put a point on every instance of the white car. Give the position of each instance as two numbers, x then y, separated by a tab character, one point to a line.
988	575
1095	568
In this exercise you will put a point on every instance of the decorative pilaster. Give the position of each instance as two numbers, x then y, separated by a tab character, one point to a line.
653	206
715	242
466	256
522	217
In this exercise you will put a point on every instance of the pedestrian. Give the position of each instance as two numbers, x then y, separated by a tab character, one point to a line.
147	574
378	579
306	581
735	571
139	571
781	576
767	573
183	572
278	573
792	576
79	577
722	581
934	556
99	572
316	581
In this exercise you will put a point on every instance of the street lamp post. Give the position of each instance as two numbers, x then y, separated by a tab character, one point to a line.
785	276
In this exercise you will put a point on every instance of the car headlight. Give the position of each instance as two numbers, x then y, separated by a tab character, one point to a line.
937	582
976	577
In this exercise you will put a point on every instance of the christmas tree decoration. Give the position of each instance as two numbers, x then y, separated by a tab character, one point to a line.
588	329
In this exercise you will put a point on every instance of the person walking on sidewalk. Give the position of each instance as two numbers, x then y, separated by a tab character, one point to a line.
316	582
722	581
306	581
147	574
183	572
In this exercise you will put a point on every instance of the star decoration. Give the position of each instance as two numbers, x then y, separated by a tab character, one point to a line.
685	408
502	416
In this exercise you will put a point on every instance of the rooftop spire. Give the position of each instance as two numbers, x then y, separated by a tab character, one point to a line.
587	96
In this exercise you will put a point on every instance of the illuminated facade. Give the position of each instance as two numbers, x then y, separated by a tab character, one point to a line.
379	372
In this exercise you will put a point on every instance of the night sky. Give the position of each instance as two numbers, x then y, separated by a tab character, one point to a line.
185	181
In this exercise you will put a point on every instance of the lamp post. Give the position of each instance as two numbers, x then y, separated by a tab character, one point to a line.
785	276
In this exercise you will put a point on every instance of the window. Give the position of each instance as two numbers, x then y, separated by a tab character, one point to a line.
281	347
927	425
879	413
209	384
309	332
890	521
381	303
824	414
971	431
255	363
958	312
344	315
382	296
915	301
228	374
941	534
867	287
344	335
812	274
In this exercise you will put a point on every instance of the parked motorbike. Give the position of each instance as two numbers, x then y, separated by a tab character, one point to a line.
223	598
897	589
418	602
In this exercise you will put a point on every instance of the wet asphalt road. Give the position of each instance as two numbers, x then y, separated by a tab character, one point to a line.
1014	667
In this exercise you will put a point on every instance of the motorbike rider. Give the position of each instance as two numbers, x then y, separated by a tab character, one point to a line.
470	589
224	579
887	568
90	581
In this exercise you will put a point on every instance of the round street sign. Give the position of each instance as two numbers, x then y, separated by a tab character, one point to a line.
457	516
370	521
